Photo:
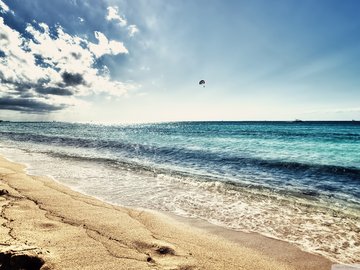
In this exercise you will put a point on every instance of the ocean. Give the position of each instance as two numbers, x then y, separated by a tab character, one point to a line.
294	181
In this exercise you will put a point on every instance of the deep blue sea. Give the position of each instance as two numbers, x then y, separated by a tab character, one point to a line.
295	181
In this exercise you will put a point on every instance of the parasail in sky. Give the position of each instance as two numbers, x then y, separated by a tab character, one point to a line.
202	82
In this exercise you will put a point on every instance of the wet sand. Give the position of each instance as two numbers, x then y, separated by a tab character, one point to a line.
49	226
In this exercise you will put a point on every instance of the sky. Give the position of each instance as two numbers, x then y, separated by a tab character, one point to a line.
135	61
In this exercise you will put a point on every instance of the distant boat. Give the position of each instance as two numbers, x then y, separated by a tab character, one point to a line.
298	121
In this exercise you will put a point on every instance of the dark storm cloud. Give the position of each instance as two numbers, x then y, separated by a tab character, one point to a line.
54	91
28	105
23	89
72	79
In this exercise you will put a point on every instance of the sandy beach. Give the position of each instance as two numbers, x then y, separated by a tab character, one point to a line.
48	226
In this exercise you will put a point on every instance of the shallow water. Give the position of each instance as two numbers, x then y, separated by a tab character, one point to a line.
298	182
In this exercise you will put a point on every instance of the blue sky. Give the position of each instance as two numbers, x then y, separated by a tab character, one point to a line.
141	61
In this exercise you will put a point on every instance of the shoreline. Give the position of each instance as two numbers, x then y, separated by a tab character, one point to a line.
69	230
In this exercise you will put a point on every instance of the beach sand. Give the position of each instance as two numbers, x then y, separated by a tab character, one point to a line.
47	225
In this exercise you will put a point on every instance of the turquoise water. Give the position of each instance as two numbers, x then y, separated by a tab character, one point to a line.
299	182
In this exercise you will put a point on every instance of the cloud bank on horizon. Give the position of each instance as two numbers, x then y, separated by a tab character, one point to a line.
43	68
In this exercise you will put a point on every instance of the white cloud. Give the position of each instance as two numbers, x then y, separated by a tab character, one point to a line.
105	46
113	14
15	65
132	30
45	73
3	7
